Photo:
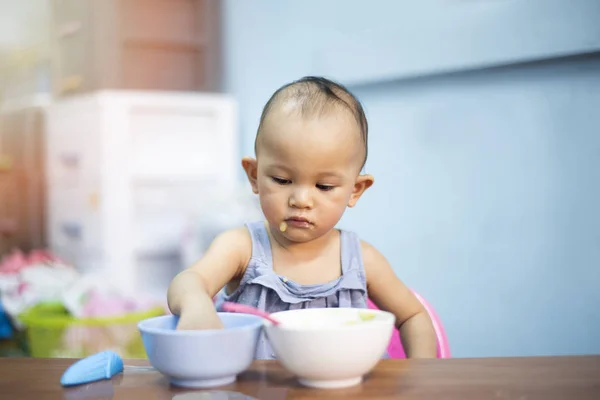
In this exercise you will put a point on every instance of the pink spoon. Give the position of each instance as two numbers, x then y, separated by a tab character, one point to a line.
244	309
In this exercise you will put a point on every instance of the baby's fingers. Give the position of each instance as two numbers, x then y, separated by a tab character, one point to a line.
187	322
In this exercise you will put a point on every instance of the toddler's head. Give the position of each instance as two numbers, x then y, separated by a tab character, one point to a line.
310	146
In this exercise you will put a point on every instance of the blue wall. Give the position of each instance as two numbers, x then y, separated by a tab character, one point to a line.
487	181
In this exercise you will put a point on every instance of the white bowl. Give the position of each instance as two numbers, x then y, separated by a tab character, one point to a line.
329	347
202	358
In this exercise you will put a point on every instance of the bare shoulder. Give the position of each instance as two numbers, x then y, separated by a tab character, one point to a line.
236	239
227	255
373	260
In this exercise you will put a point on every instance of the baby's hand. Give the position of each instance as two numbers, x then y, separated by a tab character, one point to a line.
197	319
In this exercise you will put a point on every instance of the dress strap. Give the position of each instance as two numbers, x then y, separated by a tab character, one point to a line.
261	244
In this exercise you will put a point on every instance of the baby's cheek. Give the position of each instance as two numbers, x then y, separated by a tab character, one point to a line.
270	206
335	210
339	202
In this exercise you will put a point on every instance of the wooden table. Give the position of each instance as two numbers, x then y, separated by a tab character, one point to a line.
496	378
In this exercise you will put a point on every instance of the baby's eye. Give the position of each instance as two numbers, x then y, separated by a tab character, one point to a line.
281	181
325	188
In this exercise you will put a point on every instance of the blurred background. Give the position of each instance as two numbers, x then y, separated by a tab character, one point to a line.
122	124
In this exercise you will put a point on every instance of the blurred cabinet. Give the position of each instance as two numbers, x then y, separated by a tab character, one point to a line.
126	170
22	193
135	44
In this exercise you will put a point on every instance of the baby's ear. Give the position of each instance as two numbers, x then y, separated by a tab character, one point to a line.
363	182
250	166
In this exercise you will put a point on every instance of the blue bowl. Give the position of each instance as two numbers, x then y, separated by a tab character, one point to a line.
202	358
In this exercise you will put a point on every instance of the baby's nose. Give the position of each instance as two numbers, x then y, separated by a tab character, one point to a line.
300	198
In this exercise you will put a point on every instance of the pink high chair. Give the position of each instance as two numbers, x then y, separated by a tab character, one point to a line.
395	349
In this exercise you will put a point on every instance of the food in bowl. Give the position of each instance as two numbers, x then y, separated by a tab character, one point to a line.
201	358
337	318
330	347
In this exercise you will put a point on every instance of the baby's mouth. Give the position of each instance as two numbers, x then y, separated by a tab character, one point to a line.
295	222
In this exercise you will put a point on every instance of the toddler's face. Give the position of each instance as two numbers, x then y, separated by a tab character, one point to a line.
307	172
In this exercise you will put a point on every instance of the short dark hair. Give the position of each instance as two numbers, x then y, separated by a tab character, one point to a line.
317	94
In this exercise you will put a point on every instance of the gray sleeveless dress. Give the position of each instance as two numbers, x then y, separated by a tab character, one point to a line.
262	288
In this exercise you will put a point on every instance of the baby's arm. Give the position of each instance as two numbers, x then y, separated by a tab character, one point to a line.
191	292
390	294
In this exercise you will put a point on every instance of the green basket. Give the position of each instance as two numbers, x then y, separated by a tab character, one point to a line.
52	332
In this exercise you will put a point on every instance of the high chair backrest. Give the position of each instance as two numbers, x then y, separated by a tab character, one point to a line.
395	349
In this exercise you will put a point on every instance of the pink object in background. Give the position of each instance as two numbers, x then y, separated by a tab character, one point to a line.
98	305
17	260
103	305
395	348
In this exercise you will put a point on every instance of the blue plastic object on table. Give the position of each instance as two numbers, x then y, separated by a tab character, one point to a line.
103	365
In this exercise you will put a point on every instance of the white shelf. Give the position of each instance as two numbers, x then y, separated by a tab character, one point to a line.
126	169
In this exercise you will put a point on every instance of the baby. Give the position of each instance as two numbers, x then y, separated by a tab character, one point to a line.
311	146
